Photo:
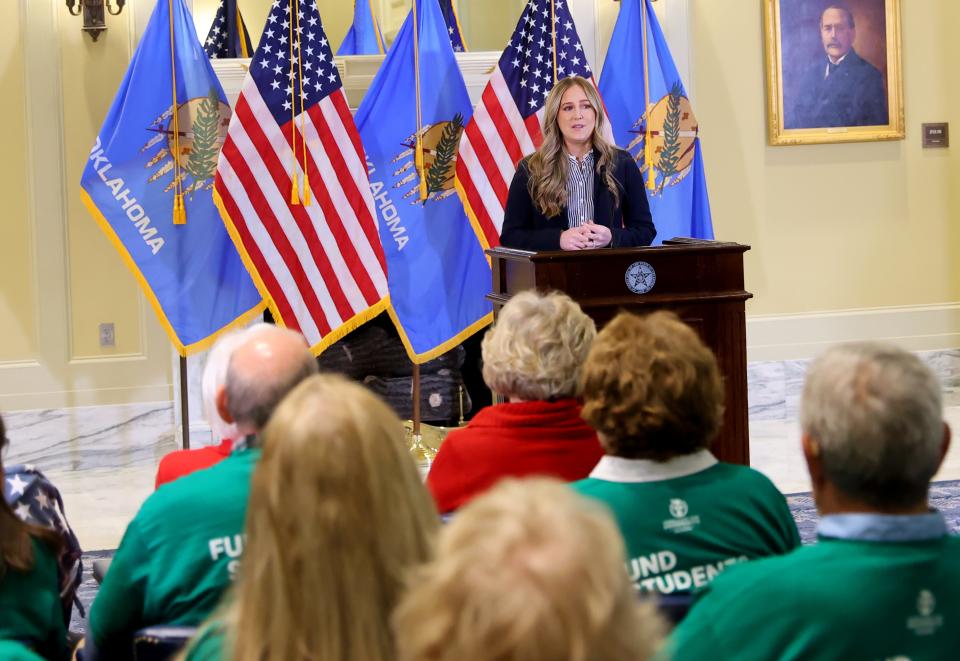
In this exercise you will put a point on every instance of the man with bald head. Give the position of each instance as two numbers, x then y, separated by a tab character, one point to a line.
183	547
842	88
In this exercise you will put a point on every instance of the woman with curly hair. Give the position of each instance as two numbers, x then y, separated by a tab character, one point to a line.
653	392
577	191
532	357
337	515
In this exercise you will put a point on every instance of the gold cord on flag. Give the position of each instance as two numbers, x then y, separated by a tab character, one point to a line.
294	175
553	34
647	146
303	106
179	210
241	33
373	20
418	155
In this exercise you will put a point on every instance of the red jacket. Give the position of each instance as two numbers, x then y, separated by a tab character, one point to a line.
183	462
523	438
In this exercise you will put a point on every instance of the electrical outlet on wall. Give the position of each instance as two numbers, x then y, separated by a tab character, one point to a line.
108	336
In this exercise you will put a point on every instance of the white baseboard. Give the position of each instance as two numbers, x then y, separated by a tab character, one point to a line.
802	336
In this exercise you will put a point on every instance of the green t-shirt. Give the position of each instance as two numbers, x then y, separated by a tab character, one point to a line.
30	608
838	599
685	520
178	555
13	651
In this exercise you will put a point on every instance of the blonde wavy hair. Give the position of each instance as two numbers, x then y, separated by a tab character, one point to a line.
651	388
337	516
548	165
529	571
537	346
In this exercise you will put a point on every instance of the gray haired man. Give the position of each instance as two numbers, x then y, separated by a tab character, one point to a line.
883	581
183	547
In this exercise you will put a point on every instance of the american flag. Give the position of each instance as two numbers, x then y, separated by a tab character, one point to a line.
228	36
319	262
449	11
506	123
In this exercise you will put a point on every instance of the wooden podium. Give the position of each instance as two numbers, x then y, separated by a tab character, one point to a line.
702	281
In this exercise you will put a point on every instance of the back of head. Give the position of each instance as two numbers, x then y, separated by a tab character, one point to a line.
537	347
874	412
651	388
337	515
529	571
261	371
215	376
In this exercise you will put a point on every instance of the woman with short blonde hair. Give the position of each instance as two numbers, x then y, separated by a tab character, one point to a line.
532	356
653	391
527	572
577	191
337	515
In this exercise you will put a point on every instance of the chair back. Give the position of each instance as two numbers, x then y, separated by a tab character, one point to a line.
160	643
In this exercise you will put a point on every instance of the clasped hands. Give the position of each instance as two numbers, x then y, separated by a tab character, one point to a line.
586	236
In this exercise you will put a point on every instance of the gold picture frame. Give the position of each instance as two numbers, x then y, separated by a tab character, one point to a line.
801	36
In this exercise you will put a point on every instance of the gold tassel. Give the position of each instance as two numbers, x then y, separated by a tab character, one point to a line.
307	199
651	174
421	172
295	189
179	210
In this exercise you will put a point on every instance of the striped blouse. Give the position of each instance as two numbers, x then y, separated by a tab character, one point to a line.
579	190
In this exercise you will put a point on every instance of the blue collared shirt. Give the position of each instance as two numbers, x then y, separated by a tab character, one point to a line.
883	527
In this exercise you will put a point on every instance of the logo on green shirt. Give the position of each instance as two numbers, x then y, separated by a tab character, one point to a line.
680	522
926	623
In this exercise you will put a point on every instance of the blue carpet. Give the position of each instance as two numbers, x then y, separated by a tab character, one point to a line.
944	496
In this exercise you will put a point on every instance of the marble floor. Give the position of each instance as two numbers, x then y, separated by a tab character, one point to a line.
103	459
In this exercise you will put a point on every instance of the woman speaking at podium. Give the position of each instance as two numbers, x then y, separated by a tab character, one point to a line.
577	191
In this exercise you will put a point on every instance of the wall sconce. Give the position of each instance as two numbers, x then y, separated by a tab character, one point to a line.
93	13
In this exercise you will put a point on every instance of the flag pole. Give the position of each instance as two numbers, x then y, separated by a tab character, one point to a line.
418	155
647	147
179	210
184	405
553	34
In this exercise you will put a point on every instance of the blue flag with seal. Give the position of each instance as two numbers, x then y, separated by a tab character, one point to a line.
653	120
148	182
410	123
364	36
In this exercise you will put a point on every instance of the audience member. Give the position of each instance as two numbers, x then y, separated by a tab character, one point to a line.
532	356
883	582
183	547
337	516
653	392
527	572
30	609
183	462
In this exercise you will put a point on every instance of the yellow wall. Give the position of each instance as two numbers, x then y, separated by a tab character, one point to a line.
59	276
101	288
18	295
833	226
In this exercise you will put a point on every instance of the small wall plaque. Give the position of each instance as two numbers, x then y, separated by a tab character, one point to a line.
936	136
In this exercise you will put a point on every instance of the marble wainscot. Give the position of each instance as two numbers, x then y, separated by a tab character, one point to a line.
103	459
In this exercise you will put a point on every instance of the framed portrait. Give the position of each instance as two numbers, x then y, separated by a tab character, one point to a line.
833	71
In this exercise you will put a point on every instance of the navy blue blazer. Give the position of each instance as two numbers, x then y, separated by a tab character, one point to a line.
630	223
